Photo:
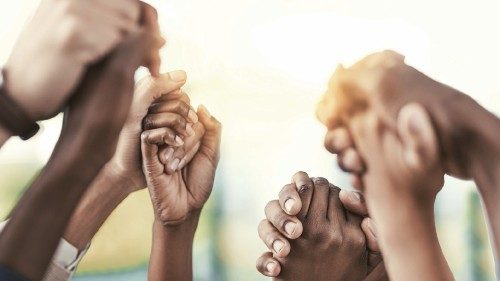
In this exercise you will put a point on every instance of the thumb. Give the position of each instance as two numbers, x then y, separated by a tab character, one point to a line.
354	202
151	88
151	164
210	143
420	145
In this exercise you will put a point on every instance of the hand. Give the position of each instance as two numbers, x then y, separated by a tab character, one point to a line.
173	125
56	47
295	220
404	174
93	120
181	195
100	117
403	164
382	83
274	235
126	162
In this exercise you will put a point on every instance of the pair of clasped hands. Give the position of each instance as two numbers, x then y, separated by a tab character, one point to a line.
80	57
90	75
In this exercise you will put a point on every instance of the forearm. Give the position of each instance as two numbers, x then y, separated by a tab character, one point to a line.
106	192
485	158
490	194
171	252
4	135
39	219
409	242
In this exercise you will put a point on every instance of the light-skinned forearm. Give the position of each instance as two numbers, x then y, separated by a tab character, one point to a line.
171	252
106	192
409	240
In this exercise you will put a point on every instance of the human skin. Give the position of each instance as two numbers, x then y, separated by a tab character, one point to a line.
402	179
273	232
4	135
178	199
123	174
57	38
94	119
384	84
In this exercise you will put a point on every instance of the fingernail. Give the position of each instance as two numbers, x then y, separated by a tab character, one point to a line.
289	204
278	245
192	116
182	163
174	165
168	153
178	75
270	267
203	108
355	197
290	228
189	130
179	141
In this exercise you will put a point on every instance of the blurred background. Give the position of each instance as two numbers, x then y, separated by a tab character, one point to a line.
260	66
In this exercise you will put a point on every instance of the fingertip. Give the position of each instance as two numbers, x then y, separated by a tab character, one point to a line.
203	111
418	135
356	182
292	206
351	161
353	201
268	265
273	268
369	228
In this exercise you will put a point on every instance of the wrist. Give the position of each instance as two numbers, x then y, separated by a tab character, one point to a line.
185	227
101	198
116	184
123	182
4	135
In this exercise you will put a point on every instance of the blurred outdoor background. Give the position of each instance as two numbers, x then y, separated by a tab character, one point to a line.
260	66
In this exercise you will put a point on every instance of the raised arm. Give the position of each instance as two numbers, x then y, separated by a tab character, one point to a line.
95	117
123	174
178	195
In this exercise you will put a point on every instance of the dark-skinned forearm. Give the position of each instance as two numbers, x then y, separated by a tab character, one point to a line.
40	217
171	252
484	156
106	192
4	135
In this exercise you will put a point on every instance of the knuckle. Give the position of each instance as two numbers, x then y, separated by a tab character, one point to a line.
321	181
182	107
286	190
336	239
149	122
69	32
355	240
180	123
305	187
260	264
270	206
300	174
135	10
262	225
169	135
